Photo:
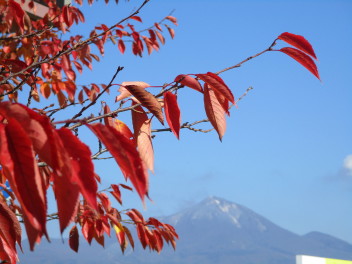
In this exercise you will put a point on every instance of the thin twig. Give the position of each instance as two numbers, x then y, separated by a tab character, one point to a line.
95	100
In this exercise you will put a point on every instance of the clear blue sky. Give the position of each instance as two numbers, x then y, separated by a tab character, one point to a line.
284	150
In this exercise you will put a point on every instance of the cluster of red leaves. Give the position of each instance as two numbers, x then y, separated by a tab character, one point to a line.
303	53
28	139
35	155
151	233
35	54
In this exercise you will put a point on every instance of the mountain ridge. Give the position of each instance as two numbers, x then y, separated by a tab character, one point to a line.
215	230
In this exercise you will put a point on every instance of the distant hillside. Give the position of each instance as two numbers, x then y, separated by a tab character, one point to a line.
213	231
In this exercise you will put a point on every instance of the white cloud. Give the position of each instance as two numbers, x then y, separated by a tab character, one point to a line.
347	164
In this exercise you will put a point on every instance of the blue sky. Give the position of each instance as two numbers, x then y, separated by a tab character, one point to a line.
285	151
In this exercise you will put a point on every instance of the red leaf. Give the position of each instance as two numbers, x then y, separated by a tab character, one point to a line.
158	26
149	44
172	19
171	32
23	174
121	46
125	154
303	59
172	113
122	128
126	187
67	16
142	235
137	18
88	231
105	201
147	100
116	193
217	84
10	231
160	37
129	236
82	166
74	239
214	111
145	145
65	190
299	42
18	13
136	216
189	81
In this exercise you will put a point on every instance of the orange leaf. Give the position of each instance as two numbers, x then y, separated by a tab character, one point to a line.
147	100
138	118
171	32
45	90
145	145
158	26
189	81
74	239
124	93
299	42
172	113
172	19
160	37
217	84
303	59
214	111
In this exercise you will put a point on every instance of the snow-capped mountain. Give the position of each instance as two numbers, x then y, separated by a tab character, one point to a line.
212	231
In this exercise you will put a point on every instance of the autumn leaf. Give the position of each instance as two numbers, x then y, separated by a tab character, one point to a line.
23	174
82	165
116	193
121	46
139	116
122	128
189	81
217	84
145	145
147	100
172	113
65	189
214	111
125	154
303	59
299	42
172	19
142	235
45	90
10	231
74	239
124	93
171	32
137	18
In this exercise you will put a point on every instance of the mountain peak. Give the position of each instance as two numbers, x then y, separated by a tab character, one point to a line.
220	212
